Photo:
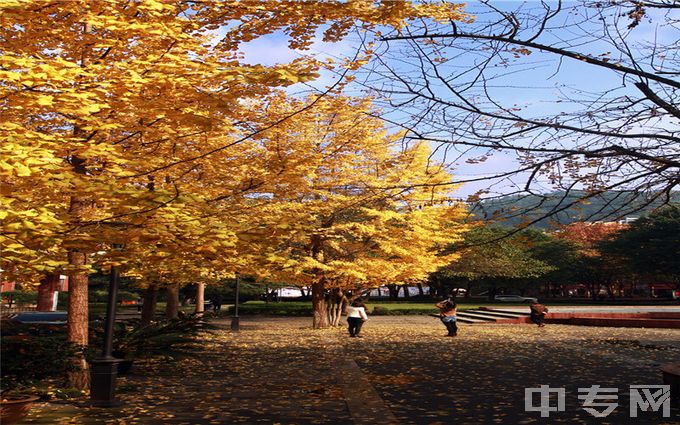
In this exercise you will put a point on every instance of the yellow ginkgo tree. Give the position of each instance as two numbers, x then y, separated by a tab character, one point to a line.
351	207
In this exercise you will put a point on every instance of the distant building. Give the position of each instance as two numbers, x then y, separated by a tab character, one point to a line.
62	286
290	292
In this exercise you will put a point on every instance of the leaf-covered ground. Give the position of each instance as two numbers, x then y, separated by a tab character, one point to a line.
480	376
278	370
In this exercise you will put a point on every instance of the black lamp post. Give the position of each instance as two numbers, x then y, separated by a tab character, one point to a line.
235	325
104	370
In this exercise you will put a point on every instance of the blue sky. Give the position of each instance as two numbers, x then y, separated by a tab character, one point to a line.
536	88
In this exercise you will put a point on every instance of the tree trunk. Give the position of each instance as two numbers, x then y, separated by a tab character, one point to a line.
421	292
200	297
332	313
77	322
436	286
77	318
336	304
337	314
48	286
149	305
492	293
78	279
172	303
394	291
610	291
319	305
77	301
407	293
330	307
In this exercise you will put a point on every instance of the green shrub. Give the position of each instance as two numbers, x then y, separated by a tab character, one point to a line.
29	356
20	297
380	311
275	309
101	296
168	338
127	296
396	311
300	308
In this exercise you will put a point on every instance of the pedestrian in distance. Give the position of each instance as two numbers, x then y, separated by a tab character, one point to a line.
538	313
216	302
447	314
356	316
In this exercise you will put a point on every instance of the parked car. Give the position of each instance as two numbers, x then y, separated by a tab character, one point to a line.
514	299
34	323
40	317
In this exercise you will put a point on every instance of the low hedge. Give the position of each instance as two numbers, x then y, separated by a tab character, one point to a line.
20	297
382	311
101	296
305	309
274	309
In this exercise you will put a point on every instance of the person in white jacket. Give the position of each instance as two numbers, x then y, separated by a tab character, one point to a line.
356	316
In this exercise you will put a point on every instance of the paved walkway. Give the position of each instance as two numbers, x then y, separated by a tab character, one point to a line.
278	370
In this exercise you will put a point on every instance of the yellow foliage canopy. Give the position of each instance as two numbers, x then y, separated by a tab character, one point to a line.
127	121
354	207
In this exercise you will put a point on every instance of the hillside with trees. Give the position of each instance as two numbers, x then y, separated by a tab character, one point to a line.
561	208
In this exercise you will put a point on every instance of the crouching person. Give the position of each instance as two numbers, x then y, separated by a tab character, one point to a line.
538	313
447	314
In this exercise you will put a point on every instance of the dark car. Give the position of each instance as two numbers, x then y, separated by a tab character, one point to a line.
40	317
